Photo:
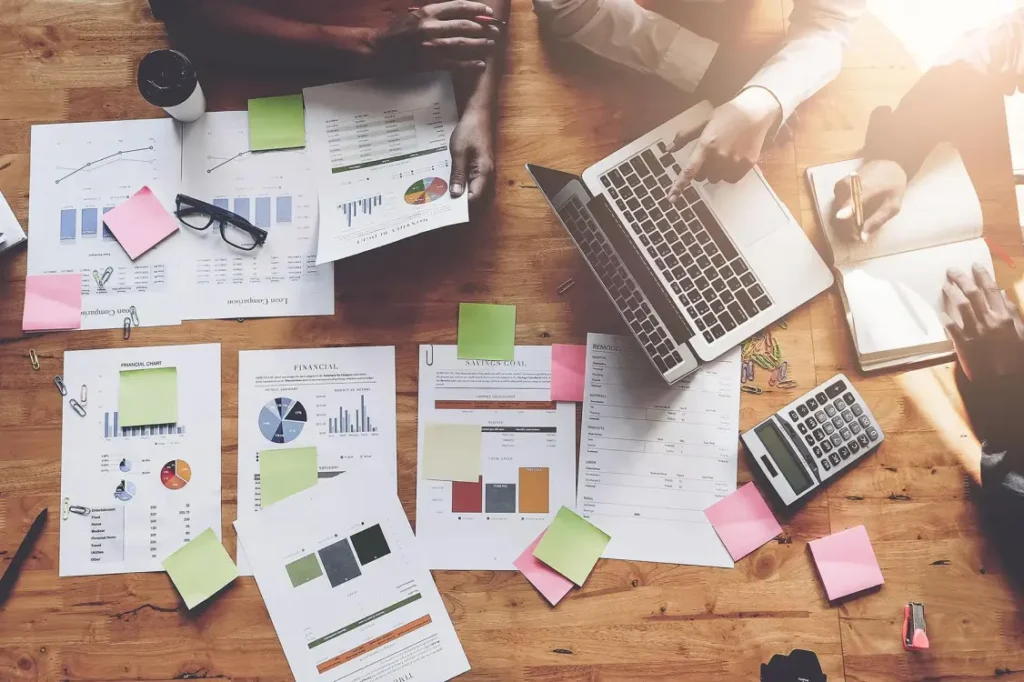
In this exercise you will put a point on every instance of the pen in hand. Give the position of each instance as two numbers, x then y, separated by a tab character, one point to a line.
857	192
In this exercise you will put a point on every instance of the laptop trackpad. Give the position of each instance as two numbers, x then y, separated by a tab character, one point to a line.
748	209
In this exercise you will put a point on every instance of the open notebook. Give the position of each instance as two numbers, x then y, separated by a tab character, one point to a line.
892	286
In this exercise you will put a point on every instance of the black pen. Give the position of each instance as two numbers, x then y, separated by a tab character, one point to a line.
11	575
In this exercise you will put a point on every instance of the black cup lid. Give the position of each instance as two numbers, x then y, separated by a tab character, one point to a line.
166	78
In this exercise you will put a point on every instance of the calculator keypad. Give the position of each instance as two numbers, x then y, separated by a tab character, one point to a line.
835	425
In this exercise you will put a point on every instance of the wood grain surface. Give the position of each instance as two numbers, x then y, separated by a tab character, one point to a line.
74	60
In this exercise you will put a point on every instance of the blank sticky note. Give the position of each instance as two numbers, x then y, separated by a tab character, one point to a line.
549	582
148	396
846	562
743	521
451	452
285	472
140	223
568	364
571	545
487	332
52	302
201	568
276	123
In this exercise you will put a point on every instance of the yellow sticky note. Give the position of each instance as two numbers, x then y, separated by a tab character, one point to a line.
201	568
148	396
285	472
451	452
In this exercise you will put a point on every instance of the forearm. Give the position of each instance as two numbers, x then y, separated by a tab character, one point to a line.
241	31
481	90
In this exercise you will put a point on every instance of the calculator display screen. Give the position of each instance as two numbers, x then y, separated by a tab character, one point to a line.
784	457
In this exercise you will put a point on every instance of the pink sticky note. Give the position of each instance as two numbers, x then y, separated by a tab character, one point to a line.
52	302
140	223
568	363
549	582
846	562
743	521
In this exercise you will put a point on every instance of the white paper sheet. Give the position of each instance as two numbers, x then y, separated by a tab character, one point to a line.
78	172
653	457
340	400
381	161
273	190
526	438
11	233
146	490
347	590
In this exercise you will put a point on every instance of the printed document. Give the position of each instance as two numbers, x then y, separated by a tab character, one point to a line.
347	590
131	496
381	161
653	457
340	401
527	457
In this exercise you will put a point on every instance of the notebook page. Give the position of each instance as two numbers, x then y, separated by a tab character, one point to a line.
940	207
896	302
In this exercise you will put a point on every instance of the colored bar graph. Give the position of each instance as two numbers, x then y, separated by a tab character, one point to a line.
347	422
222	203
90	222
534	495
242	207
365	206
284	209
263	212
107	234
111	430
468	498
500	498
67	224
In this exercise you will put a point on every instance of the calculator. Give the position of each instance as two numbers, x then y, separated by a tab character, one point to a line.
814	439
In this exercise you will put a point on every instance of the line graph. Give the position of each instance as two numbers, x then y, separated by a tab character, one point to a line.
224	161
99	163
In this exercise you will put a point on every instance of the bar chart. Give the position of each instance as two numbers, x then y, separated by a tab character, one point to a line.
111	430
529	495
261	211
363	206
352	422
83	223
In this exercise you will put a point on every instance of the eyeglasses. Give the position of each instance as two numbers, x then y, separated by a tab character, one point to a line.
236	230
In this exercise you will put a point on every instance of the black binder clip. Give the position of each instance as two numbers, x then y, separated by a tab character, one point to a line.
800	666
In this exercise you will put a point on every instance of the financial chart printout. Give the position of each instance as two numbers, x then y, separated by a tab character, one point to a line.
653	457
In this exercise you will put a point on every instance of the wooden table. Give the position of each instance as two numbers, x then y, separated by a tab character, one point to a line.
68	60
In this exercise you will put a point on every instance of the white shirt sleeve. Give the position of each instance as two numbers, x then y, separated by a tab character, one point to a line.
813	52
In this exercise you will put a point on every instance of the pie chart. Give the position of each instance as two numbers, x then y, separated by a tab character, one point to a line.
124	491
426	190
176	474
282	419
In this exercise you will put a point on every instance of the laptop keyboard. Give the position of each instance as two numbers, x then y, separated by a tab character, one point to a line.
687	244
630	301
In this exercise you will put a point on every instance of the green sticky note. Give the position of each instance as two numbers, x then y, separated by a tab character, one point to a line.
148	396
276	123
285	472
201	568
572	545
451	452
487	332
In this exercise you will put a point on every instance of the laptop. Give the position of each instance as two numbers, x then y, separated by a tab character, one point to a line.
694	279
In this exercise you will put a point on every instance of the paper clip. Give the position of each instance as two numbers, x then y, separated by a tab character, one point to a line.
96	276
64	507
79	509
106	276
782	323
786	384
240	319
77	407
429	356
783	370
83	395
565	286
127	328
753	390
33	358
774	378
134	316
58	381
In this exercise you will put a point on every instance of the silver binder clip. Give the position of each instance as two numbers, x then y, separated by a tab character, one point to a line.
33	358
77	407
58	381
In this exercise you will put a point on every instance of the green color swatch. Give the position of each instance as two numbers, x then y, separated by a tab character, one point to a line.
572	545
201	568
285	472
301	571
276	123
451	452
487	332
148	396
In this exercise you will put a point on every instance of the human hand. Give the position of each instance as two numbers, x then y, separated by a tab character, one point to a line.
986	329
442	35
731	141
472	148
883	186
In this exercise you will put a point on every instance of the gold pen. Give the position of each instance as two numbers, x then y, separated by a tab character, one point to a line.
858	202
